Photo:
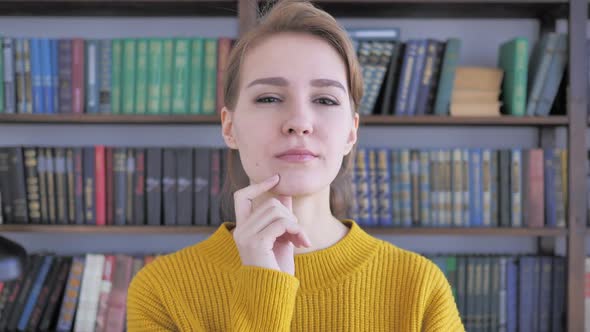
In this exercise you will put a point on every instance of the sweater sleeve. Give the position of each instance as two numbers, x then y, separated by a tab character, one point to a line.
145	310
441	311
263	299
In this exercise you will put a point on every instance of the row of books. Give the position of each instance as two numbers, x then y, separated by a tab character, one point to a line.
113	76
181	186
417	76
70	293
507	293
101	185
88	292
474	187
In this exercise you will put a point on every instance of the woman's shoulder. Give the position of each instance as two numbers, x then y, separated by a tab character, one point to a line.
409	263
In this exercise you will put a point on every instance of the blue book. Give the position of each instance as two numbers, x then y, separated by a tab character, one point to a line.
558	295
545	294
425	219
34	294
37	79
46	75
555	74
512	291
526	306
54	75
475	188
416	78
539	66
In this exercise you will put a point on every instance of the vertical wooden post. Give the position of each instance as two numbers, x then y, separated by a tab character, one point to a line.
578	120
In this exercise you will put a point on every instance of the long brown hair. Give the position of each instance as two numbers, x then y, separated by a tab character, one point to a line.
292	16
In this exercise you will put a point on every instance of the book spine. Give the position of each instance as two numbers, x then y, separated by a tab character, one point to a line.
425	188
184	190
210	76
384	187
9	71
447	76
169	186
39	279
71	186
180	80
79	186
167	73
54	75
19	75
409	59
129	189
104	93
100	193
516	188
20	213
201	175
78	75
139	187
457	188
141	85
155	67
116	76
196	76
60	183
129	73
215	188
32	181
223	49
154	186
65	76
71	295
373	195
120	190
56	292
42	175
92	75
89	186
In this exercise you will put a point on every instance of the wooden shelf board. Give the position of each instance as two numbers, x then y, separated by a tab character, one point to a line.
120	7
446	8
215	119
158	230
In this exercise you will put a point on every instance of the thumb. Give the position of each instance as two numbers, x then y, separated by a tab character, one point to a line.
287	201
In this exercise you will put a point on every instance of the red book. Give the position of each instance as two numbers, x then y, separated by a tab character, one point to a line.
109	185
224	45
100	190
78	75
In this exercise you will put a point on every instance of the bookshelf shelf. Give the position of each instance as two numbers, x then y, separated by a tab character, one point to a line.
447	9
214	119
119	7
159	230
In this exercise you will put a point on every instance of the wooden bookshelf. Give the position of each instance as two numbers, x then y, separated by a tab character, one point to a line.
372	120
85	229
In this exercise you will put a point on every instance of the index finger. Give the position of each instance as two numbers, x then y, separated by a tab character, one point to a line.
243	197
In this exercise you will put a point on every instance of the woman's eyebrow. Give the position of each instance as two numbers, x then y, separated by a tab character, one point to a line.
281	81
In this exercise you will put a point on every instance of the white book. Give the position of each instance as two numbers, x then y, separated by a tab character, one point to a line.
89	293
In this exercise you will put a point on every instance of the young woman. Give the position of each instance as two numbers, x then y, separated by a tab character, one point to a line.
289	260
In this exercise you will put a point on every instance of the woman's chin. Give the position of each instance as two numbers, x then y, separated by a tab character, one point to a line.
299	187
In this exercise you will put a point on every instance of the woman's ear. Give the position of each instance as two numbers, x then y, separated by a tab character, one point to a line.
352	135
227	128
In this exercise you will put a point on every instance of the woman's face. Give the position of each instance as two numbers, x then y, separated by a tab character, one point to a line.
293	115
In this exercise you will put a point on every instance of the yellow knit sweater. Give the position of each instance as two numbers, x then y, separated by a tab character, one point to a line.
359	284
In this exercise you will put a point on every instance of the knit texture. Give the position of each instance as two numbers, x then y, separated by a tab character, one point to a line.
360	283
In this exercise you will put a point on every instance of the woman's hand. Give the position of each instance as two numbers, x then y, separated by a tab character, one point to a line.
265	235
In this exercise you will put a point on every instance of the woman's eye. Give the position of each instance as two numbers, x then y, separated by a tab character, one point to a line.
326	101
267	100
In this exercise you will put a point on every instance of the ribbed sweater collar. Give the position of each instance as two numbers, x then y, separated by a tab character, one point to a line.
315	270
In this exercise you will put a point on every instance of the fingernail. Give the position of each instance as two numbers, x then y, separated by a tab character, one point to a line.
273	178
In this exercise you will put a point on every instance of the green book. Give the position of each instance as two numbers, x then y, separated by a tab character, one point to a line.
155	61
196	76
141	77
167	71
180	99
513	59
447	76
129	71
210	77
116	75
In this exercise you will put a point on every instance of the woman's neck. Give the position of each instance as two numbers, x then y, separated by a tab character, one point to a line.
315	217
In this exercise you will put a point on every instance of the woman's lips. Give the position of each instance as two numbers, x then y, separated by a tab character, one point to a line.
297	155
